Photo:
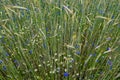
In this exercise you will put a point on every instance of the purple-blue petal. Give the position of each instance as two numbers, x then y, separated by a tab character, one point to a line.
66	74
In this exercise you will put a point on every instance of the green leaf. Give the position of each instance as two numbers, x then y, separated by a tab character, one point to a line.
1	49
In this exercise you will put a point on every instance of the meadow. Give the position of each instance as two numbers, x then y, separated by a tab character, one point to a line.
59	39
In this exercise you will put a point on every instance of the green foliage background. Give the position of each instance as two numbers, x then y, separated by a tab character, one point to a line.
43	39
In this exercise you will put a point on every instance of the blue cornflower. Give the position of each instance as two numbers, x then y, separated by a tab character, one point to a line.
3	37
66	74
108	48
108	39
44	45
93	54
47	29
30	51
96	60
28	16
1	61
112	17
4	68
77	46
22	14
78	52
72	60
7	54
101	12
15	61
110	67
109	62
93	44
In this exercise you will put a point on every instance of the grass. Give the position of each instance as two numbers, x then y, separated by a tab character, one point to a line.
59	39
